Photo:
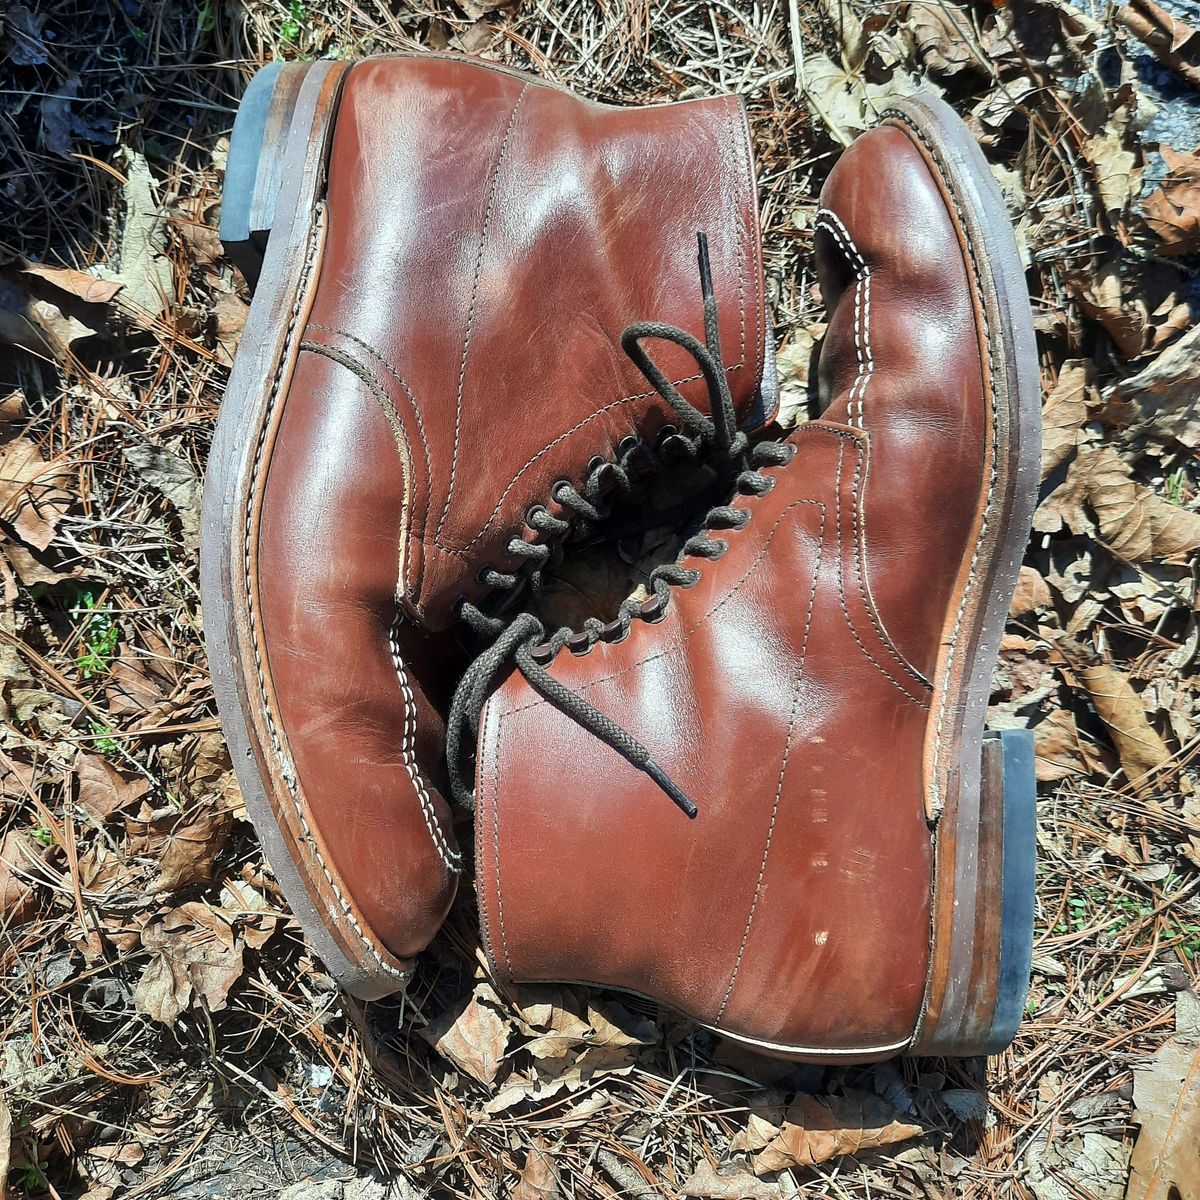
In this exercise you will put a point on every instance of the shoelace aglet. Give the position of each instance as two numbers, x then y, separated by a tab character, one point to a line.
706	286
668	785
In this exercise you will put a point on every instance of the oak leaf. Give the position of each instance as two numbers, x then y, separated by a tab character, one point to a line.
1166	1096
816	1129
539	1177
1065	410
472	1034
1173	211
707	1183
33	492
103	790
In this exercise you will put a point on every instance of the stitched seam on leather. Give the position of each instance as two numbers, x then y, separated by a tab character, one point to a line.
462	551
860	579
829	220
288	775
484	919
740	250
496	855
361	371
731	105
809	429
787	750
387	366
685	638
841	572
451	857
994	468
483	242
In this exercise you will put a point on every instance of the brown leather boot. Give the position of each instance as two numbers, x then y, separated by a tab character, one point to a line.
858	878
430	388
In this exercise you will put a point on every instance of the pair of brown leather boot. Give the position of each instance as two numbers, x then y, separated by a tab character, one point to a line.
763	795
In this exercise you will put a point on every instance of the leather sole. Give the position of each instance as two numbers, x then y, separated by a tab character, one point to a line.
981	792
275	209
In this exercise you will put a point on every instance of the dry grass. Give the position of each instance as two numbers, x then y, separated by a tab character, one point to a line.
114	785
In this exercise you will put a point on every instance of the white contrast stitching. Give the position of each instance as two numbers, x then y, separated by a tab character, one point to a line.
483	241
451	857
787	750
993	473
287	770
829	220
841	580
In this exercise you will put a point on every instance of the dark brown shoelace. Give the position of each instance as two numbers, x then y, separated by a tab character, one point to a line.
523	639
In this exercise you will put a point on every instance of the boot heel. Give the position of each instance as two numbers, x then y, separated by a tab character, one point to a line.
253	170
983	925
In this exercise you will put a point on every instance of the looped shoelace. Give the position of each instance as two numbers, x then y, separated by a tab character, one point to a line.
523	639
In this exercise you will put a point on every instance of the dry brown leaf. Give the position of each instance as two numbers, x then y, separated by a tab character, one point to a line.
1061	752
33	498
1031	593
17	900
1108	487
185	845
79	284
1065	411
134	685
707	1183
1138	745
5	1145
103	790
937	38
816	1129
1166	1095
195	953
472	1034
539	1177
1167	392
1173	211
1134	522
1115	171
30	569
1120	308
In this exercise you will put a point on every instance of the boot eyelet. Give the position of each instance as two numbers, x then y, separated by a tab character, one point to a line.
557	486
793	450
692	579
541	653
595	463
653	610
579	644
722	549
532	512
627	445
614	633
482	574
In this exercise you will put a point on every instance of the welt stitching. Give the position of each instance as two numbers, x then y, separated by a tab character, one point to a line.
483	241
387	366
841	572
450	856
787	750
288	774
829	220
682	641
994	471
860	579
